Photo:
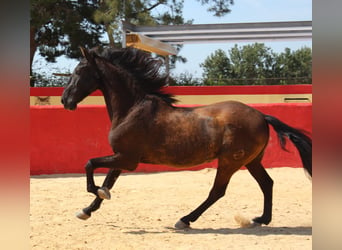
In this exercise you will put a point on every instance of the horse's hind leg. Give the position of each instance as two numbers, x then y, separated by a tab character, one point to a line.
266	184
218	190
108	183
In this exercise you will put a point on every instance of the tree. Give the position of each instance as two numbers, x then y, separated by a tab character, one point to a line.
294	64
252	62
184	79
218	7
216	68
257	64
58	27
111	12
147	12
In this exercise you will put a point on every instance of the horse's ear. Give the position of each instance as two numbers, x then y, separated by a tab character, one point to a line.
86	54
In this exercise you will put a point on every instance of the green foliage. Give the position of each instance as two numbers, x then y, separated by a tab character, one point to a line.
257	64
52	81
218	7
216	68
294	64
162	12
184	79
59	27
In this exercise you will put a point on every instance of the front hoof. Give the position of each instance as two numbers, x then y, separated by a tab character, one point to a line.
104	193
82	215
181	225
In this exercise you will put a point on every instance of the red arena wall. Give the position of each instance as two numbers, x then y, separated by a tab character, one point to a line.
62	141
202	90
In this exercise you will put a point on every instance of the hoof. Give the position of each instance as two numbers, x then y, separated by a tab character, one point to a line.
104	193
82	215
181	225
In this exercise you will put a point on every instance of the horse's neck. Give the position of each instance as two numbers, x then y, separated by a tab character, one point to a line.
107	98
119	97
118	101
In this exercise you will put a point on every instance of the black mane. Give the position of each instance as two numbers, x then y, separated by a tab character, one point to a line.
144	68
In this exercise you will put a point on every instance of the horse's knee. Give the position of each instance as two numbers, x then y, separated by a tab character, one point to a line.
217	193
88	166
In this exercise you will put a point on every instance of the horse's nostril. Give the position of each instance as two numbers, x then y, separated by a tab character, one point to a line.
62	101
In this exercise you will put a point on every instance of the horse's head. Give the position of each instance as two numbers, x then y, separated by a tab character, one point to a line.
84	80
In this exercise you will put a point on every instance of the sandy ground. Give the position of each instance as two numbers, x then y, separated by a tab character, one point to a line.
145	207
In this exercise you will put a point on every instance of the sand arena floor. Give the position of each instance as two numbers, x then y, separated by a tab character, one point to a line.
144	208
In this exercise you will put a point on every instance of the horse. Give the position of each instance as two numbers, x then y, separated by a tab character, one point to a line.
147	127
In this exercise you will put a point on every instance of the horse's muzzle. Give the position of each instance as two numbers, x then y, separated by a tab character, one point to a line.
67	104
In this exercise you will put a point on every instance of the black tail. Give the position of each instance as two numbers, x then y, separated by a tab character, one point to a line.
302	142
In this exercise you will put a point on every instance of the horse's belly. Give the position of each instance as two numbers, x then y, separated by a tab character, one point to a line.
178	163
179	157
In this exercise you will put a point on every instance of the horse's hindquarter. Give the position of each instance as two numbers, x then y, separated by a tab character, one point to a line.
187	137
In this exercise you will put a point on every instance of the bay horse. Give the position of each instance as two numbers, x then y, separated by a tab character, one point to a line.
146	127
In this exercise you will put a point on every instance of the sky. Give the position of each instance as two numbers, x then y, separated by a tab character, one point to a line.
242	11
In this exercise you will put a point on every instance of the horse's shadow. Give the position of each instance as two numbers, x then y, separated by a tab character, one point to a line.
258	231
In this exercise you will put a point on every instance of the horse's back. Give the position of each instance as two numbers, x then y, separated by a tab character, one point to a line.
234	113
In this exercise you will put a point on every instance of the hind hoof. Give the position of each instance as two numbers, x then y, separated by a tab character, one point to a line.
104	193
82	215
181	225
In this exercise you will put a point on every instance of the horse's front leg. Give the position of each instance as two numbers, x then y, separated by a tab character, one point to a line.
117	162
108	183
92	164
113	162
